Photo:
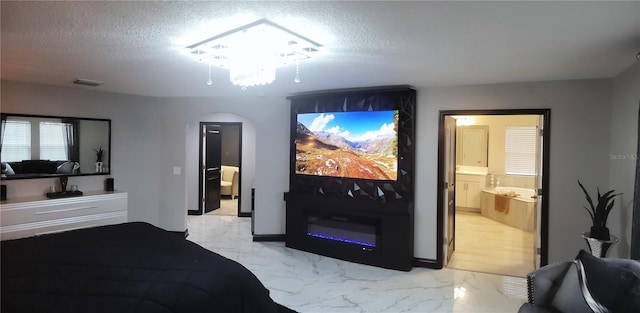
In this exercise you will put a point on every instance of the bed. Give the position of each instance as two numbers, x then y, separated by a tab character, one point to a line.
130	267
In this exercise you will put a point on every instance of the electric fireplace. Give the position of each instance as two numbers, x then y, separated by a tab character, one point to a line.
360	232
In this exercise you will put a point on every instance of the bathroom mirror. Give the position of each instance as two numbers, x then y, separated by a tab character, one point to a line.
472	145
37	146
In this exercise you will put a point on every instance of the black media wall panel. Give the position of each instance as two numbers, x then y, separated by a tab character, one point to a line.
368	221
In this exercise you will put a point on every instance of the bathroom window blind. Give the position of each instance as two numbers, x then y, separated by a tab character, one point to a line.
520	150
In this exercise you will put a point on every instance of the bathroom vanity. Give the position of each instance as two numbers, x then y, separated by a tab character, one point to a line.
469	185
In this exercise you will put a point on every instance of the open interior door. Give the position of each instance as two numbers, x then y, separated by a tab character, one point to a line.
538	192
449	185
211	149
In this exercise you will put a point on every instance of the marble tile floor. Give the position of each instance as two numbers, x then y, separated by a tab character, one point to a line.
307	282
228	207
488	246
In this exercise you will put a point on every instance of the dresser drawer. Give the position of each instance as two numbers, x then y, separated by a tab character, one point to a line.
60	225
37	215
36	211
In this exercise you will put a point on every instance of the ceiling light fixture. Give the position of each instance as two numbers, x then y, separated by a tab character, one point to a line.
252	52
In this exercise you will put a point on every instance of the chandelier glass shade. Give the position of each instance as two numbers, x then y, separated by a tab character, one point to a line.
253	52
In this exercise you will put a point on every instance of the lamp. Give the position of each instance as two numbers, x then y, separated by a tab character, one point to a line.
252	52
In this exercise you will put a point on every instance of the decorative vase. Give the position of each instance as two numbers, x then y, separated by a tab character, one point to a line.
63	183
599	232
599	247
99	167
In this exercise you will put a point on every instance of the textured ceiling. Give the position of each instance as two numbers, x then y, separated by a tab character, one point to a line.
139	47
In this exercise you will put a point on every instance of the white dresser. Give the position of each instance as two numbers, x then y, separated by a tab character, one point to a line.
38	215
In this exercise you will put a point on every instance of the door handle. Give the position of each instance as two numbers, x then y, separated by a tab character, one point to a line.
213	169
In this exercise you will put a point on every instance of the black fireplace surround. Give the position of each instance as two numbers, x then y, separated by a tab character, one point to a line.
369	221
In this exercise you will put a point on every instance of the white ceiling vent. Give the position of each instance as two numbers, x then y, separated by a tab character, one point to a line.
87	82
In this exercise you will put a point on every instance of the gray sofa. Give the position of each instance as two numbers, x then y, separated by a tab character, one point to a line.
587	284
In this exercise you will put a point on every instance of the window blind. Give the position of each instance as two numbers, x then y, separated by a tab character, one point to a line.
16	141
53	141
520	150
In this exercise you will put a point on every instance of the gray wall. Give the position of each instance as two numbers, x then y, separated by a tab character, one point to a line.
152	136
622	154
191	138
183	130
578	150
135	121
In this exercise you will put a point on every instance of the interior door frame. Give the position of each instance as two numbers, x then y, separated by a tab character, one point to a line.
544	227
635	216
200	210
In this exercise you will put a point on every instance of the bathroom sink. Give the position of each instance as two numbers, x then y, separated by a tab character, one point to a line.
471	173
471	170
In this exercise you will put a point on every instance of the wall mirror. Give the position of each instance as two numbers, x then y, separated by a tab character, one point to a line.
36	146
471	145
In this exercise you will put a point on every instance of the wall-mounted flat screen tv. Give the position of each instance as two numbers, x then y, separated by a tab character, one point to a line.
357	144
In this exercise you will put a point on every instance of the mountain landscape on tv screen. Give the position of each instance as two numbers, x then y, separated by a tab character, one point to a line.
323	153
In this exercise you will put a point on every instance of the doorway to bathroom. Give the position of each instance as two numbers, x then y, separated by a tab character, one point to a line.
493	180
220	168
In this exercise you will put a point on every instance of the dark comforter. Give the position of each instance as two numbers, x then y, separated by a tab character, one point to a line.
131	267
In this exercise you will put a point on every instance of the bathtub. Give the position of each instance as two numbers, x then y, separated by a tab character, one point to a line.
522	209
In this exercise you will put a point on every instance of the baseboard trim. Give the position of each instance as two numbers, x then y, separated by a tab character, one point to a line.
244	214
426	263
274	237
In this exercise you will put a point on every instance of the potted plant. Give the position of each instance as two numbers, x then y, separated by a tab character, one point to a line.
600	212
99	154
